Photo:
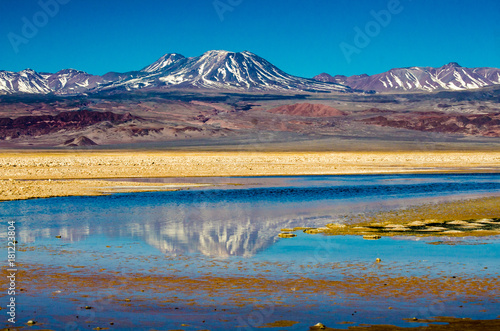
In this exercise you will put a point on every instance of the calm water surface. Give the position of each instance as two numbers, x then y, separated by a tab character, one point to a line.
236	222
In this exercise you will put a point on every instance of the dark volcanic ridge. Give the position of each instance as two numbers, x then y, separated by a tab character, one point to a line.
47	124
475	125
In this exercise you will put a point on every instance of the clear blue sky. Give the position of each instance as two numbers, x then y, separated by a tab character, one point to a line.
301	37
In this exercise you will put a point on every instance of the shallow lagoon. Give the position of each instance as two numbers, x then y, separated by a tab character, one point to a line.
231	229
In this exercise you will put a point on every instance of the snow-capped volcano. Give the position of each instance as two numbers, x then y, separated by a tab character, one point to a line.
245	70
448	77
225	70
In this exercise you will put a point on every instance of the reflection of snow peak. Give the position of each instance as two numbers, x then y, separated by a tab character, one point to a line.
236	222
227	230
220	230
215	238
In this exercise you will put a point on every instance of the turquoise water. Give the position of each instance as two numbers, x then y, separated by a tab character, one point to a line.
231	229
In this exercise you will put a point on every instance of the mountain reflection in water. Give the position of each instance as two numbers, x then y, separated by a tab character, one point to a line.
234	222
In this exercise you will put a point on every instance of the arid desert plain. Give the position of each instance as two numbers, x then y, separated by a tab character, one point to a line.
244	211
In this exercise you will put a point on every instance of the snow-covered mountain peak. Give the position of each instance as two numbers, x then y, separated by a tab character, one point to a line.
163	62
452	65
451	76
27	72
219	52
218	56
69	71
222	69
25	81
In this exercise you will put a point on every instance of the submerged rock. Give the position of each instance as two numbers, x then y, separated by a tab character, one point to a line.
313	231
416	223
458	223
433	229
335	225
287	235
472	226
486	221
371	236
395	227
400	229
427	222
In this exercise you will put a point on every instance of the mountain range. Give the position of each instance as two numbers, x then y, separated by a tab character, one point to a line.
448	77
243	71
219	70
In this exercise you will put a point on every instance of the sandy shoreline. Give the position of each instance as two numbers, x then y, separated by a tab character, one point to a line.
54	165
124	164
32	189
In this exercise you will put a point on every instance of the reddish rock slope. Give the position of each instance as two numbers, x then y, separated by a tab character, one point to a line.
307	110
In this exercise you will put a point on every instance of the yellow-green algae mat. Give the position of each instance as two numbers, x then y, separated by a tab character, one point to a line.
457	228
